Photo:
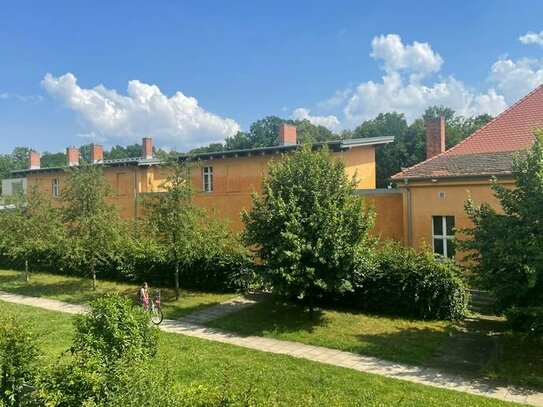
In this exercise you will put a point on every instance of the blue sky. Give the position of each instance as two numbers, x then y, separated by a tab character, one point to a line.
188	73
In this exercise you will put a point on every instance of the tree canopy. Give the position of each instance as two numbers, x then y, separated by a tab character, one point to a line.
93	225
308	228
507	246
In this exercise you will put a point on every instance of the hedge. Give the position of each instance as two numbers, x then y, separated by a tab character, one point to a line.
411	283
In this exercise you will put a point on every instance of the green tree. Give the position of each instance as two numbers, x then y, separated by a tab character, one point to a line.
93	226
53	159
409	146
308	228
32	229
172	217
119	152
507	247
18	359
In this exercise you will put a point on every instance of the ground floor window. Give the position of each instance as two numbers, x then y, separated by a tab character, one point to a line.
443	235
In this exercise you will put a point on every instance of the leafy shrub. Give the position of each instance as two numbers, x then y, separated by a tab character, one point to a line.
409	282
526	319
111	330
18	357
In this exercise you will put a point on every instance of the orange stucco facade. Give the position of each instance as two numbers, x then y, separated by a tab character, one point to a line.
442	198
234	179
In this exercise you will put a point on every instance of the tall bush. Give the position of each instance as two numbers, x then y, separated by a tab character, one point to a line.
18	358
507	248
308	228
412	283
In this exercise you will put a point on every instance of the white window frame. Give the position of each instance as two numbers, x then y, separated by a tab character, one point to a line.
55	185
207	179
445	238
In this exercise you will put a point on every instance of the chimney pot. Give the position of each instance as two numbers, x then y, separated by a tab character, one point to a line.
435	137
72	156
287	135
96	153
147	147
33	160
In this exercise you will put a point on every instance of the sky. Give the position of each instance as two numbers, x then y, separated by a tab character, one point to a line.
187	73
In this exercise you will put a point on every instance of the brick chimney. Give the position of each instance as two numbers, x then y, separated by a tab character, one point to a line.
147	147
96	153
33	160
435	137
287	135
72	156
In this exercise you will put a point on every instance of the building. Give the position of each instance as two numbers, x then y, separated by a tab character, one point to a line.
435	190
225	179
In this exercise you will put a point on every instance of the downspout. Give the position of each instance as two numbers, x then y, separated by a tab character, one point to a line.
409	215
135	198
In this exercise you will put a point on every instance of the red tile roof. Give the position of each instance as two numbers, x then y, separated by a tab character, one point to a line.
488	150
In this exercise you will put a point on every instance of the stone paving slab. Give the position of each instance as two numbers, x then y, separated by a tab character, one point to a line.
219	310
427	376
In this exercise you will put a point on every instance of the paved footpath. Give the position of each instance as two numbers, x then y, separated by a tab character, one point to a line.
427	376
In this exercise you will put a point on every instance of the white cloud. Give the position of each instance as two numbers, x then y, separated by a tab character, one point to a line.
532	38
516	78
417	58
411	98
143	111
337	99
331	122
21	98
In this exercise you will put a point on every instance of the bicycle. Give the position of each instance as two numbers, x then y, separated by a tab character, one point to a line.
154	308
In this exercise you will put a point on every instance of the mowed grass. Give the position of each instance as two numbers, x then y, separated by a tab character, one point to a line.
275	379
520	361
396	339
79	290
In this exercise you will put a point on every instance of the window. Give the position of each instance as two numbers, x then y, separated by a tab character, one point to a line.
16	187
443	235
56	187
207	177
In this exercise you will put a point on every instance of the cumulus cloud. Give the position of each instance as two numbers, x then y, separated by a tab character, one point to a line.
532	38
143	111
339	97
402	88
516	78
411	98
417	58
331	122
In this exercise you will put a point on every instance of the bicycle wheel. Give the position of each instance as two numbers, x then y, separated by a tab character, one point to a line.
137	307
156	315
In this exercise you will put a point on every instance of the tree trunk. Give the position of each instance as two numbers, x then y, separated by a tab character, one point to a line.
27	273
176	281
93	272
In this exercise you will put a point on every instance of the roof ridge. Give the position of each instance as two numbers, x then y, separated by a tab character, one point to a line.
480	129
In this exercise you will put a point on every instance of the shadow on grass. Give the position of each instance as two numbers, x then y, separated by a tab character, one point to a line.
409	345
273	316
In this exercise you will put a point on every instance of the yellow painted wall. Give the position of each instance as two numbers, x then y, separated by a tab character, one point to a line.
388	214
234	179
426	202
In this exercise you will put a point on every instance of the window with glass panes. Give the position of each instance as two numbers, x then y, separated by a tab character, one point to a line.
443	235
56	187
207	178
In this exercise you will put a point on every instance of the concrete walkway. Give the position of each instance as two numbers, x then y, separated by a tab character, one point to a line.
427	376
219	310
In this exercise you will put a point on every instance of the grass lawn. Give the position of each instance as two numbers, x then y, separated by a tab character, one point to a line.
520	361
396	339
285	380
79	290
